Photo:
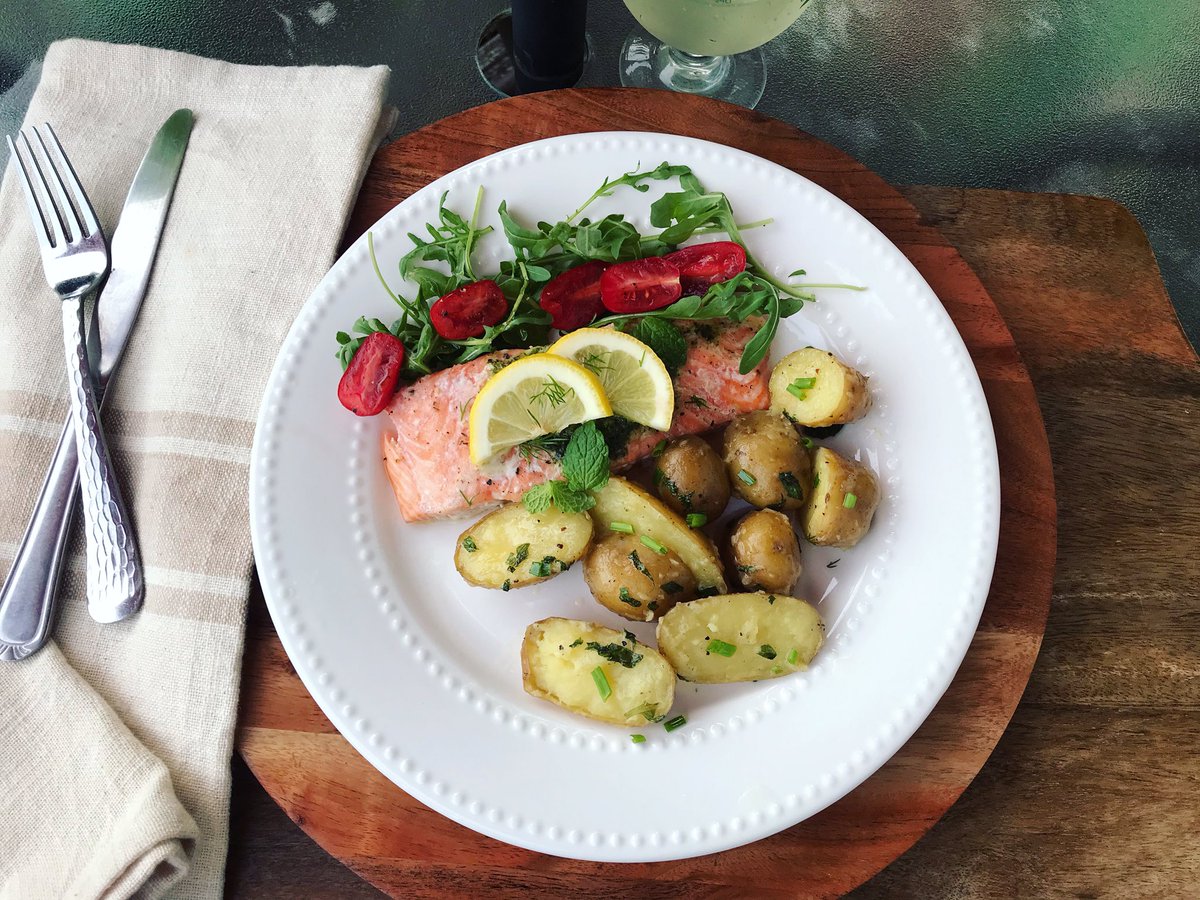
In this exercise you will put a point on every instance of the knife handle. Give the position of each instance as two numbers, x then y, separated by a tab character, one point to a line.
115	588
28	596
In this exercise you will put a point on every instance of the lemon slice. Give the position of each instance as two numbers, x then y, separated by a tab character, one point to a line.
535	395
634	378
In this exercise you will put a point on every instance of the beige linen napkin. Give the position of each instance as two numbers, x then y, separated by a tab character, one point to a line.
115	740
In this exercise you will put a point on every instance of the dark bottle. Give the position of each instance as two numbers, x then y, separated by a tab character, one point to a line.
549	43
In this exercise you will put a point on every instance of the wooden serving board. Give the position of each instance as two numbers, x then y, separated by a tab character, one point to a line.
408	850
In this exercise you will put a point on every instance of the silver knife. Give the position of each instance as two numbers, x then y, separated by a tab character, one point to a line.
27	598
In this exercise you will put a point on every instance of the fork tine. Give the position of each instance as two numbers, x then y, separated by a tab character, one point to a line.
41	220
54	179
37	178
82	203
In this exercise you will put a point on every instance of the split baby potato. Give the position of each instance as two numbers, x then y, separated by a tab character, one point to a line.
843	502
623	502
596	672
740	637
513	547
815	388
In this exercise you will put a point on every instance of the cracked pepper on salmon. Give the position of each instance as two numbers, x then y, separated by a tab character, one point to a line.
427	456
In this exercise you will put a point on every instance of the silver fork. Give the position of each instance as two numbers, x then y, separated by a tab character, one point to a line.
75	259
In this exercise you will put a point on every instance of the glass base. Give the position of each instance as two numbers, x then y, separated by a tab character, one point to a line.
739	78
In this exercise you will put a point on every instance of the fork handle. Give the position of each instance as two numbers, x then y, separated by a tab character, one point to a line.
28	596
115	587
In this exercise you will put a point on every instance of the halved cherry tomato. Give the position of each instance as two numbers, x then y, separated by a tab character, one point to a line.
465	312
640	285
369	381
703	265
573	297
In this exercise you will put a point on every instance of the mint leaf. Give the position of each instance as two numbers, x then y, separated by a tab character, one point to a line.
537	498
569	500
585	461
667	342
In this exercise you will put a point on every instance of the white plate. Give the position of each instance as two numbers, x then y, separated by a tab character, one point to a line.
421	673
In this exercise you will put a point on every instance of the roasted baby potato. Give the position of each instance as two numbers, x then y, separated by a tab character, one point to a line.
596	672
635	581
740	637
690	478
816	388
629	506
766	460
844	499
764	552
513	547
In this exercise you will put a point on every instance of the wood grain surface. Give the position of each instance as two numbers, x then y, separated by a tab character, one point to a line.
1077	281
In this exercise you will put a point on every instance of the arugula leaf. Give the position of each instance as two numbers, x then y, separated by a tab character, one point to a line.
667	341
585	461
636	180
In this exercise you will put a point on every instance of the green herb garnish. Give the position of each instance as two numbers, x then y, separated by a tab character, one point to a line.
791	485
766	651
585	469
696	520
659	448
617	653
745	477
721	648
653	544
469	544
576	642
639	565
625	597
677	722
638	738
517	557
793	656
850	501
672	587
602	685
623	527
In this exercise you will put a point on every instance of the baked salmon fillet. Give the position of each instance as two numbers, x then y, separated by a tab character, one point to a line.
427	457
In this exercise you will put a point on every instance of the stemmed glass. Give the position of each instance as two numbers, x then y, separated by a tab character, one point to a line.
709	47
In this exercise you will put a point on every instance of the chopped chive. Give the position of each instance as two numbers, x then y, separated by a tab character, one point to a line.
708	590
677	722
696	520
672	587
602	684
746	477
793	656
721	648
469	544
576	642
816	480
805	384
638	738
796	392
850	501
653	544
623	527
807	442
506	586
625	597
648	711
776	670
659	448
543	568
766	651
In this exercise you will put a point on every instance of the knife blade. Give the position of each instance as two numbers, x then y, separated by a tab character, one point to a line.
28	596
135	242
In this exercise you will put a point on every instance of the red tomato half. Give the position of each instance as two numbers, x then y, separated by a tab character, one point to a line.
703	265
369	381
573	297
640	285
463	313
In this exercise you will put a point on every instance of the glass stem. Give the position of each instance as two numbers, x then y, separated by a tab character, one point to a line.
694	73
